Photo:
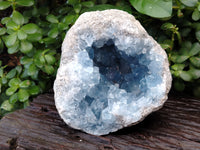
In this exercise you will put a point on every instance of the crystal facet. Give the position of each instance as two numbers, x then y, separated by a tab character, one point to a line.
112	74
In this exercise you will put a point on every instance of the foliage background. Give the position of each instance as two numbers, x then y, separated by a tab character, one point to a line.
32	31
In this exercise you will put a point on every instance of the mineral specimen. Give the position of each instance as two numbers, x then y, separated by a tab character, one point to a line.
112	74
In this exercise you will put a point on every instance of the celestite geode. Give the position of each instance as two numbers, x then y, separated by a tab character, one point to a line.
112	74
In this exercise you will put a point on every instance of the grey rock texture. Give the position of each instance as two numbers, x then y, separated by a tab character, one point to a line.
112	74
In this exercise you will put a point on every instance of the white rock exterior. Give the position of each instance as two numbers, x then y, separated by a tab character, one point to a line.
96	100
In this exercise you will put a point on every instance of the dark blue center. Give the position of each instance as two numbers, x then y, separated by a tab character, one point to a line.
117	67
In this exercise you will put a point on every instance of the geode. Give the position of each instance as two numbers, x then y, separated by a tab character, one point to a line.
112	74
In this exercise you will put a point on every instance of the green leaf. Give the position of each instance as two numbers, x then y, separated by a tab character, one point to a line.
153	8
11	74
25	60
6	106
186	76
178	67
10	39
195	61
25	2
34	37
30	28
48	69
12	25
195	49
62	26
10	91
196	15
34	90
26	47
77	8
21	35
50	59
73	2
2	31
1	72
13	99
19	69
32	69
189	3
25	84
51	18
53	33
198	7
14	48
4	80
179	59
4	5
88	4
23	95
69	19
14	82
18	18
5	20
195	73
167	26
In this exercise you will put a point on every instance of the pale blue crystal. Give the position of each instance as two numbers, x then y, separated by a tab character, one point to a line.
111	80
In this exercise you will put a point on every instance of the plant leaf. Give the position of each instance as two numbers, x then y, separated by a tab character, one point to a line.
32	70
25	84
53	33
153	8
195	73
25	60
186	76
10	39
77	8
34	90
50	59
26	47
178	67
30	28
195	61
189	3
48	69
2	31
88	4
11	74
23	95
17	18
51	18
14	48
195	49
34	37
14	82
10	91
21	35
13	98
73	2
25	2
6	106
4	5
196	15
12	25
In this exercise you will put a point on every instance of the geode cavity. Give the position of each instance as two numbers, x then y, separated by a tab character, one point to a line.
112	73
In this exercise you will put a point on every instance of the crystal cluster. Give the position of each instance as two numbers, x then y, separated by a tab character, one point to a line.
112	73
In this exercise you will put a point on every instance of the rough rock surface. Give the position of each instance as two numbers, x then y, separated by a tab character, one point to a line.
112	74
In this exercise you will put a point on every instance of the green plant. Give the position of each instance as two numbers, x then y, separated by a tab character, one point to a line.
31	34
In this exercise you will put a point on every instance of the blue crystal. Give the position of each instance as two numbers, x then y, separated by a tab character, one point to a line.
110	83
